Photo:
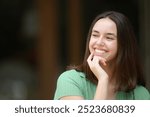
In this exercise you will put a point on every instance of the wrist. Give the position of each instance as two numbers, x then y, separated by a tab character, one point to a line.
103	79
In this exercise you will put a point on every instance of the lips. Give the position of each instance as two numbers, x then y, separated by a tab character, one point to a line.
100	51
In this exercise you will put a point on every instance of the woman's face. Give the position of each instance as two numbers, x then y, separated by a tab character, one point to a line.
103	40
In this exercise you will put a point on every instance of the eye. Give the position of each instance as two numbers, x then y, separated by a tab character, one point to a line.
109	38
95	35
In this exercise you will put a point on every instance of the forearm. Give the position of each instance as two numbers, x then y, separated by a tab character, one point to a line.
101	90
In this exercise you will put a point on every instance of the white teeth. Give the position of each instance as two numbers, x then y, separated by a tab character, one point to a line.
99	51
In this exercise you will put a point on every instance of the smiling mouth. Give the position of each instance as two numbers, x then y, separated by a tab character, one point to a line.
101	53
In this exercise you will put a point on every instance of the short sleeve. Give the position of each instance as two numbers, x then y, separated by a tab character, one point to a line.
68	84
141	93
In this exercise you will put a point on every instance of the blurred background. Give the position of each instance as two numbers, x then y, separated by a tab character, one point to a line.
39	38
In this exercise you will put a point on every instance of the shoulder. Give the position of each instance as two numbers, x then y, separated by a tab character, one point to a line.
70	83
72	75
141	93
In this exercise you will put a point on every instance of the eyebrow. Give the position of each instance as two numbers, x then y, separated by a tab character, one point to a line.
95	31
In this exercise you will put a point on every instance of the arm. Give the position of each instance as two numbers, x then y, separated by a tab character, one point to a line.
101	91
102	76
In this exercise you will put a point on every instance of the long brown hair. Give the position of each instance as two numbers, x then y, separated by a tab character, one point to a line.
128	71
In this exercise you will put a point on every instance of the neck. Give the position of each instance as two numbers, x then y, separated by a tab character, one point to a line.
109	68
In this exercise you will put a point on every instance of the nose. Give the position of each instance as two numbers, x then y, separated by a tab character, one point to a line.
100	41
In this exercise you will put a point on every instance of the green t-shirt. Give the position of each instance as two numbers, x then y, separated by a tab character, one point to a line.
73	83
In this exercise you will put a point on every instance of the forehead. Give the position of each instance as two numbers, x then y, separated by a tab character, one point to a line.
105	25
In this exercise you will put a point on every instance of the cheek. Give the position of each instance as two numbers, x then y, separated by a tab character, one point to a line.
114	51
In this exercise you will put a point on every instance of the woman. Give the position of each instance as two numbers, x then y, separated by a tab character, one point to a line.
111	68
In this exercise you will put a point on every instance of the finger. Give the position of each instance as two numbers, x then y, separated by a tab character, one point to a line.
96	59
103	62
100	60
90	57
